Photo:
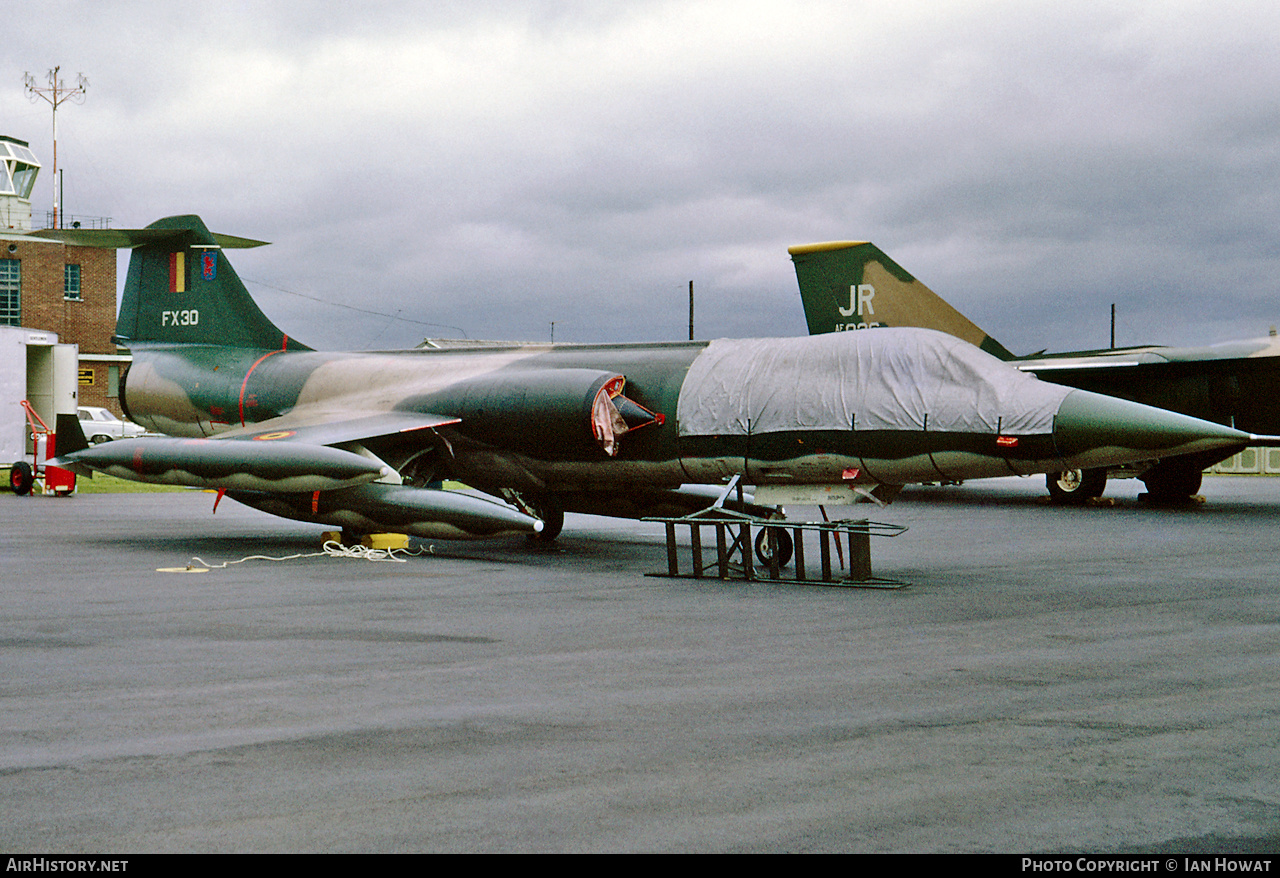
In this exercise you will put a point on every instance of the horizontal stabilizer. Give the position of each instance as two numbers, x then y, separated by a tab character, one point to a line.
127	239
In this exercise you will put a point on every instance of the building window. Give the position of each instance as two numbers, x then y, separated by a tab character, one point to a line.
10	292
71	282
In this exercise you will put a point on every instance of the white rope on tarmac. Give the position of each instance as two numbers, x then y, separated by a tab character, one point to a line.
331	548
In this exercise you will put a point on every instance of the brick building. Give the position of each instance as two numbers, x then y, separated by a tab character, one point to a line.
56	287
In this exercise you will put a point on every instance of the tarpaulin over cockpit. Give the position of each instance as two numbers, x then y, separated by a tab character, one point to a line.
878	379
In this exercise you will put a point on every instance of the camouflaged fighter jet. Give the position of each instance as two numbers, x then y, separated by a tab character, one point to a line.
853	285
362	440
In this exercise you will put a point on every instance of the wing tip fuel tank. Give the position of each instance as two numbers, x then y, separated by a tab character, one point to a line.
307	483
231	464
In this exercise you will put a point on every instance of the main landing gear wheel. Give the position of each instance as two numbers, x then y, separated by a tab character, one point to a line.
1076	485
541	507
783	541
1172	484
21	478
552	517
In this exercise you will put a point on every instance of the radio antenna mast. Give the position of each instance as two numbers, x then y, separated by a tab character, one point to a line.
56	93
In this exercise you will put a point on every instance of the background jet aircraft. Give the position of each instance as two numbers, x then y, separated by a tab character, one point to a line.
359	440
854	285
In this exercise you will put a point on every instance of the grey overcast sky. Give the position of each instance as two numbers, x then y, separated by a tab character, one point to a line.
491	167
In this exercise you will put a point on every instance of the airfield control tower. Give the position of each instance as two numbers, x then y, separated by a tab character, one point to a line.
18	171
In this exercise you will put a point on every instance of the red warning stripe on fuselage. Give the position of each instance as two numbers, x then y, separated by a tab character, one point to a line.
245	383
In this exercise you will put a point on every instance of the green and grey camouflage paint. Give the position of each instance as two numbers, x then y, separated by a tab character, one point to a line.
613	429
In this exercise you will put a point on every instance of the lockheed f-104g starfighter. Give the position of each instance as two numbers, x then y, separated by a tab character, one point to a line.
362	440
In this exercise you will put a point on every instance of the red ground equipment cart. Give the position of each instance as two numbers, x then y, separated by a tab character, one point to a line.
23	475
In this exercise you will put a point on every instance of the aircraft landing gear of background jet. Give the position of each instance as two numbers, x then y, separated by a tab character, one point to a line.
1076	485
1173	481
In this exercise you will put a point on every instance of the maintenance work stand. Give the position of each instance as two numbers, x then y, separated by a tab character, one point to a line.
736	534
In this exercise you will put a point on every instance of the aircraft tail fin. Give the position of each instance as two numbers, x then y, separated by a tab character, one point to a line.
854	285
181	287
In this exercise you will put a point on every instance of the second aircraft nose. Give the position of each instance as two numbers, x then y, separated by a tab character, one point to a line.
1091	430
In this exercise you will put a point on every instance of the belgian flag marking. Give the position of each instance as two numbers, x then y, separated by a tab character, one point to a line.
178	272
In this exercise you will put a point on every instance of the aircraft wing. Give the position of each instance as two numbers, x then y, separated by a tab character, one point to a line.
290	466
323	427
292	453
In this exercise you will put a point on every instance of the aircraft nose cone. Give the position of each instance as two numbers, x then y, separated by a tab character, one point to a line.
1094	430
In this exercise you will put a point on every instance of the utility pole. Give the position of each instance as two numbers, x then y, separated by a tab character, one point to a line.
690	310
56	93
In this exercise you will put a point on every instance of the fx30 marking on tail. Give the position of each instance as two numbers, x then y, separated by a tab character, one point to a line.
180	318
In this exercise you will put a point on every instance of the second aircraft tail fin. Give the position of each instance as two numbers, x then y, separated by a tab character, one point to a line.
854	285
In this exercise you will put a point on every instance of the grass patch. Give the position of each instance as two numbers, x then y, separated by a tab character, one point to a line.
104	484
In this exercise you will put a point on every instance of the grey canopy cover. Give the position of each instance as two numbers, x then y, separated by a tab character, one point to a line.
876	379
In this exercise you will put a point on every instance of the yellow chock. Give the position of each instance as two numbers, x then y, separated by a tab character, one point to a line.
386	541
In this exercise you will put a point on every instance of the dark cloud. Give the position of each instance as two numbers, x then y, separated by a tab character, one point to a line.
497	166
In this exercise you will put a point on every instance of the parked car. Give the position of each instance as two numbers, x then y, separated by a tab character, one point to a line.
100	425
